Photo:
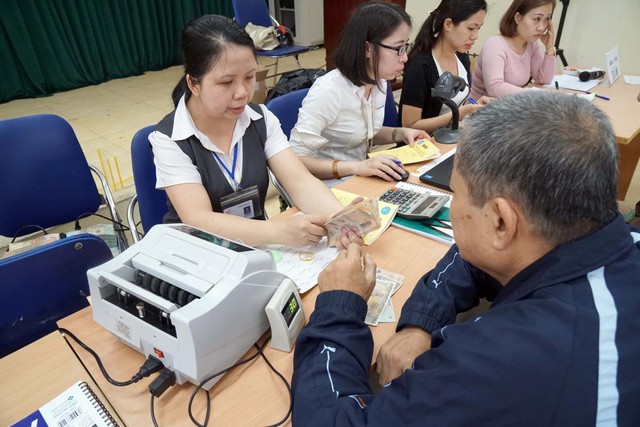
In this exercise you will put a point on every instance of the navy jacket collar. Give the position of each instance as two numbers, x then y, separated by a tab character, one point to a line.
570	260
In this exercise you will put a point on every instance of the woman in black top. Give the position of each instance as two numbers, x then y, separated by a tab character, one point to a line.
441	45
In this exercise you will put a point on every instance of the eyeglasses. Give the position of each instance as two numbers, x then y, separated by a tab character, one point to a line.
400	50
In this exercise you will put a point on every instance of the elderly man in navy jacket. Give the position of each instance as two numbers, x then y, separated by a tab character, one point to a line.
538	234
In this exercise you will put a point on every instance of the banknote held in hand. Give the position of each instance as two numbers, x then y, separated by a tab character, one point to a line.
360	218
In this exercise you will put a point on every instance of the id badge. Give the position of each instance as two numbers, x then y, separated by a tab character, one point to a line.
244	203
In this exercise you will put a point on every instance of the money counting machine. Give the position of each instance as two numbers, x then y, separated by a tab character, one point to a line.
195	300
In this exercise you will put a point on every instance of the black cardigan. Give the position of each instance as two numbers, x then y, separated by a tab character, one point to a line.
420	76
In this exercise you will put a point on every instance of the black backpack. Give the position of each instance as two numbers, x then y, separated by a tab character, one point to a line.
294	80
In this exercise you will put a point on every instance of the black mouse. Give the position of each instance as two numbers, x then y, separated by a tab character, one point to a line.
404	175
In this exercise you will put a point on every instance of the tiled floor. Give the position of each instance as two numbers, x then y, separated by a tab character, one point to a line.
106	116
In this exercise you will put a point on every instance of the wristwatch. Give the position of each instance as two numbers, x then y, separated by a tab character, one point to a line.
553	53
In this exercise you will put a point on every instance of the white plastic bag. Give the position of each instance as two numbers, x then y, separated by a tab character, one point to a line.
264	38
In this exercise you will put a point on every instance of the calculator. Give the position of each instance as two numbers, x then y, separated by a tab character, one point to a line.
414	204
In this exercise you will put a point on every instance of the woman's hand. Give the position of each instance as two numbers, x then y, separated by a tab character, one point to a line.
548	38
410	136
484	100
382	166
299	230
467	109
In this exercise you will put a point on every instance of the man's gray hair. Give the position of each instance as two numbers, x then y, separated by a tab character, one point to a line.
553	154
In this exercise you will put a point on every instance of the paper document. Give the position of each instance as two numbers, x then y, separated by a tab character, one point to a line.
386	210
303	265
566	81
407	154
433	163
632	80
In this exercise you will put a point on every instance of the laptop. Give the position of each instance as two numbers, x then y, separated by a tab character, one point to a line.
440	175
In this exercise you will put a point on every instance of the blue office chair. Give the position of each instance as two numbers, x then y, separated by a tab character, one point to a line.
286	108
152	203
256	11
45	179
43	285
390	109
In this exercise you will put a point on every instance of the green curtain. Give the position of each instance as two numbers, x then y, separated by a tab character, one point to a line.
48	46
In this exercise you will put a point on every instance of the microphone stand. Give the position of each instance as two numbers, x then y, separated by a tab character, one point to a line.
559	51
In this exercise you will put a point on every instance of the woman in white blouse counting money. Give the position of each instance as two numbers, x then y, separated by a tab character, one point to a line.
341	117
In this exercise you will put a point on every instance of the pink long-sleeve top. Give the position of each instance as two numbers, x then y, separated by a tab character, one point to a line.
501	71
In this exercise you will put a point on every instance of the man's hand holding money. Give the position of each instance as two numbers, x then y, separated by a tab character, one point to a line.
351	223
350	271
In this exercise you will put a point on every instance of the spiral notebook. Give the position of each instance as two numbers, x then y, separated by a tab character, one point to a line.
438	227
78	406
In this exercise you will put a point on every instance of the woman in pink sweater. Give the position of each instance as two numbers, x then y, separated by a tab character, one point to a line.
509	61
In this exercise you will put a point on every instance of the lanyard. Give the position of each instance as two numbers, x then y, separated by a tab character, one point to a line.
368	118
232	172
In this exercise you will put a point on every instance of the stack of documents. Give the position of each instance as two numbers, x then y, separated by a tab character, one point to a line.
421	151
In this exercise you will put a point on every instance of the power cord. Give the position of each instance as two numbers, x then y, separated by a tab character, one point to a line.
150	366
167	378
88	214
259	352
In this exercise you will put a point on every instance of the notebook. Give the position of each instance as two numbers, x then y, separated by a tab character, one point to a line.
77	406
440	175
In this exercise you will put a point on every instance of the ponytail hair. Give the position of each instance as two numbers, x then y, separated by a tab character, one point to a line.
456	10
204	39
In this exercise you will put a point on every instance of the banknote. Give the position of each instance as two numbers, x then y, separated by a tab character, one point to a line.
397	279
360	218
378	301
388	314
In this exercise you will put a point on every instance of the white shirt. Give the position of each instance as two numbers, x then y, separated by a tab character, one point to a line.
462	95
174	167
335	121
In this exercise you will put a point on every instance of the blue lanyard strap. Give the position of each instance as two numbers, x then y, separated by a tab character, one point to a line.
232	172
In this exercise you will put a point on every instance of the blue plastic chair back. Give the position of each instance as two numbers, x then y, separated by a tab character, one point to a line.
152	203
43	285
286	108
390	109
44	176
255	11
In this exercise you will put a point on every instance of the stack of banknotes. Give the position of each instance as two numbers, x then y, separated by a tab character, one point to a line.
361	218
379	306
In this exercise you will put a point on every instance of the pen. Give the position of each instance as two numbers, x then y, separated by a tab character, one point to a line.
440	223
599	96
472	101
432	228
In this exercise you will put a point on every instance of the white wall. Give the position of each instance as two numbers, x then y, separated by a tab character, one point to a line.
591	28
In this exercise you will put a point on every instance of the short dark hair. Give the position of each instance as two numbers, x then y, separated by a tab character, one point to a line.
203	41
553	154
457	10
508	26
371	22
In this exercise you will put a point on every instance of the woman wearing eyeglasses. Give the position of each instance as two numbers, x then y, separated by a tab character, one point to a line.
341	117
441	45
